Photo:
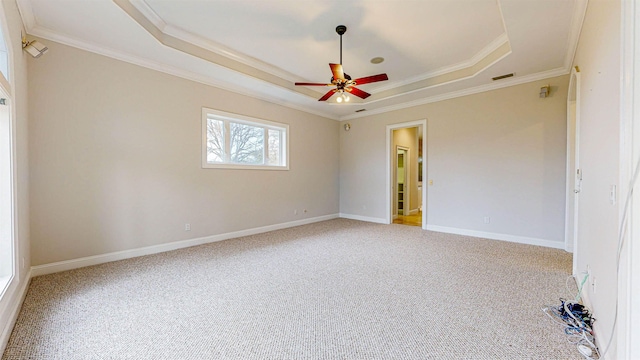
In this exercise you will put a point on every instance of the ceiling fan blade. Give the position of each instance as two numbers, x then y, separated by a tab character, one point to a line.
357	92
336	69
312	84
327	95
370	79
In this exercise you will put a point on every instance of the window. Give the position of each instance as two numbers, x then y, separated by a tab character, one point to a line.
4	57
239	142
6	205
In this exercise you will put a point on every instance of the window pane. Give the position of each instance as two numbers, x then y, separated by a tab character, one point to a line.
234	141
247	144
274	147
215	141
4	56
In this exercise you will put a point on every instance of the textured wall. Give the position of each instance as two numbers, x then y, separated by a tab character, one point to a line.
116	160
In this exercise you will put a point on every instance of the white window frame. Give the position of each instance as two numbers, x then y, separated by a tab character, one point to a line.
9	180
246	120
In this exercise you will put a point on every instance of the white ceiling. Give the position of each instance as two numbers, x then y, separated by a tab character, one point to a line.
433	49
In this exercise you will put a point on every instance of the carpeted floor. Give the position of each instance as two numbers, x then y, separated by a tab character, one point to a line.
338	289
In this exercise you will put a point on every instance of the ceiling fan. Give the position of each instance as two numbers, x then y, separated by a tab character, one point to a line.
343	82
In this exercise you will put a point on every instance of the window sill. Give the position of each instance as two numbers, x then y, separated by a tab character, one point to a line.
243	167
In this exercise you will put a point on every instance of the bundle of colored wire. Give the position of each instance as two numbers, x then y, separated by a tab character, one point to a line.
577	322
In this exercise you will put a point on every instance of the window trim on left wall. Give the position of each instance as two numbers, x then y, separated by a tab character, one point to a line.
231	118
8	163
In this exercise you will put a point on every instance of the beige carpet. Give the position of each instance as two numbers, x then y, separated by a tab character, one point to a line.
339	289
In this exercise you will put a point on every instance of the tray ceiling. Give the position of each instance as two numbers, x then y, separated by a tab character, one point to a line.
433	49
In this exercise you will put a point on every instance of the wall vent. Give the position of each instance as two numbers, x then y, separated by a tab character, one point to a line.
503	76
361	110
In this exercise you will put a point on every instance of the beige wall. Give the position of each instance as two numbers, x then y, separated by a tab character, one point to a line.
500	154
598	57
11	299
115	160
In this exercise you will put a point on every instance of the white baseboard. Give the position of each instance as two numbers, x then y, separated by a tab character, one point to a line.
363	218
602	335
568	247
497	236
148	250
15	304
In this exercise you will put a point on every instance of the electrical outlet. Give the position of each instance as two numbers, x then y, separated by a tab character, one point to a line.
295	212
487	219
187	227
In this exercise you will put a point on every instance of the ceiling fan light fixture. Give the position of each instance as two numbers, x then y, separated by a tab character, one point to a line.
342	97
343	81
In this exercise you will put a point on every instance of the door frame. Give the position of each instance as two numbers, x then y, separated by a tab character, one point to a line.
573	157
628	292
390	149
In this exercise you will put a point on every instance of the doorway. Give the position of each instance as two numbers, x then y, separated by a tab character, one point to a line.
574	174
404	198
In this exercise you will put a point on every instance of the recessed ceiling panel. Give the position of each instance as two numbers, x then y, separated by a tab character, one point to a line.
415	37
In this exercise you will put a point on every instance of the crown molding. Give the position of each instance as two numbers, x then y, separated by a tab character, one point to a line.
488	50
444	82
146	63
149	13
167	30
191	38
460	93
187	39
171	70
